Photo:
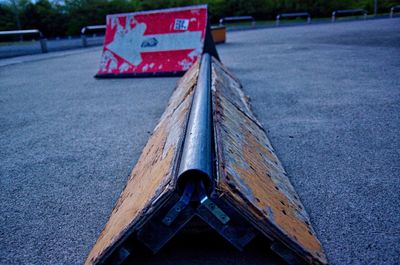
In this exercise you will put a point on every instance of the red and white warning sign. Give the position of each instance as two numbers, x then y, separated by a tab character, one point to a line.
153	42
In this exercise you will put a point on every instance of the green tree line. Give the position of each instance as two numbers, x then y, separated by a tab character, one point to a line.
55	18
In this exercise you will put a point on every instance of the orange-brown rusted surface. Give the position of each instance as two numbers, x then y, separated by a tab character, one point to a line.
218	34
250	175
153	177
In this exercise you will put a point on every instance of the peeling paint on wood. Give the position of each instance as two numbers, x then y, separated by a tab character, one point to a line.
154	175
251	176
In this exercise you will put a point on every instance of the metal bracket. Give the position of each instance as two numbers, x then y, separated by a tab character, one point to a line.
286	254
183	202
205	201
215	210
195	202
211	206
120	256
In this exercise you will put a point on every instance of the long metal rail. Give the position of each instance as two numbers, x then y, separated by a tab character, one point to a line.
87	28
223	20
196	178
350	12
196	161
42	40
298	14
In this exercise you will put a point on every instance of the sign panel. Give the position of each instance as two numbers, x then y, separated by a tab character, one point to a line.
161	42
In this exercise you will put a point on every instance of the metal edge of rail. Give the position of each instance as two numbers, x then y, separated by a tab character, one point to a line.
42	38
208	157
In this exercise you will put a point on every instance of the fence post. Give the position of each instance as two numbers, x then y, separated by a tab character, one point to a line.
393	9
83	37
84	40
43	43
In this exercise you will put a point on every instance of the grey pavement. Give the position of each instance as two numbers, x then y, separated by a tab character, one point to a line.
328	95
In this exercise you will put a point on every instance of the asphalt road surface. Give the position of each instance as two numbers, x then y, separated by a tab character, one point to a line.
328	95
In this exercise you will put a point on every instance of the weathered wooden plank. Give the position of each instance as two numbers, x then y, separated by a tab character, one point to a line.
250	175
231	88
154	176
